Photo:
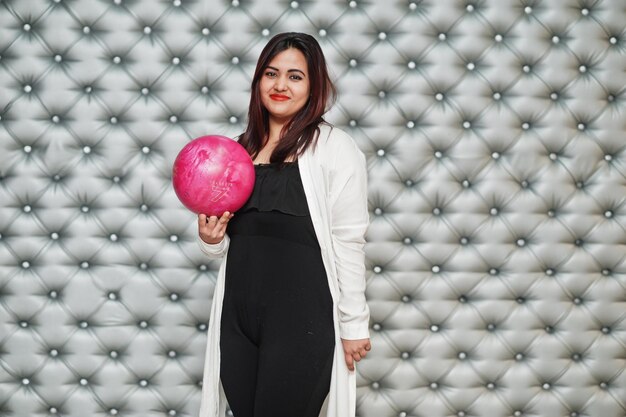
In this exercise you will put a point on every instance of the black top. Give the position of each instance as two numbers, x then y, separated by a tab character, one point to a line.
276	208
278	189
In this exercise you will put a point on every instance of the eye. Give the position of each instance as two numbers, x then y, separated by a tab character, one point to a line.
270	73
296	77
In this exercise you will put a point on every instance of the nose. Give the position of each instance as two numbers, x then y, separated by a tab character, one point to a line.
280	83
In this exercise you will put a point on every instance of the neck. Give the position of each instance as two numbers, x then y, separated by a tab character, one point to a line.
275	127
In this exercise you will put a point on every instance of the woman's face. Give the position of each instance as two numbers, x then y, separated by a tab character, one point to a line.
284	86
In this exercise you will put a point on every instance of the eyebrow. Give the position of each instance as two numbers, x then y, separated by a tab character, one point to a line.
289	70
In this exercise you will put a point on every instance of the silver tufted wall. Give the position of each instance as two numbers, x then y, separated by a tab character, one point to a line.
496	142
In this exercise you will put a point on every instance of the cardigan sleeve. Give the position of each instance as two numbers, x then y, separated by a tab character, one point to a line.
349	222
216	250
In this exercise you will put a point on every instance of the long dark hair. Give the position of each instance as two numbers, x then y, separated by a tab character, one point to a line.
302	130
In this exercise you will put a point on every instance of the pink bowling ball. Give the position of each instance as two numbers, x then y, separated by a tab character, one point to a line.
213	174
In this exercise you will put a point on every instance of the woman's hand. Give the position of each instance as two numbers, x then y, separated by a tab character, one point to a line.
355	350
212	229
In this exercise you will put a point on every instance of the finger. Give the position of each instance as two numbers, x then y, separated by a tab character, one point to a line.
350	362
368	347
210	226
219	231
356	356
363	353
225	217
201	219
212	221
221	225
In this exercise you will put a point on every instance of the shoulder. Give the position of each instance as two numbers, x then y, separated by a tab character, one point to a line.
339	151
335	139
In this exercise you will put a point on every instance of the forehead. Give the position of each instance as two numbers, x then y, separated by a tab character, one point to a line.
288	59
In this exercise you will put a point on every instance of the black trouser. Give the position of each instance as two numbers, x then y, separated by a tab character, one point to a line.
273	381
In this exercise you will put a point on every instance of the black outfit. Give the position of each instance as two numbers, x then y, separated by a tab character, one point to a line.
277	336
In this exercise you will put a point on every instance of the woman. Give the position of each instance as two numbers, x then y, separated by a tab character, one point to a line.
289	316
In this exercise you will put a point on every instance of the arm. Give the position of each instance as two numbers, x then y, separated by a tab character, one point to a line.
349	222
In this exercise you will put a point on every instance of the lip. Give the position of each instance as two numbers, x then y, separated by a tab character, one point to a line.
279	97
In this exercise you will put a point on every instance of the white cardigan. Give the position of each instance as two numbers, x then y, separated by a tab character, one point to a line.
334	177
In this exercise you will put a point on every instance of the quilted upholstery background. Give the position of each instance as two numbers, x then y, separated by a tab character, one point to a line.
495	137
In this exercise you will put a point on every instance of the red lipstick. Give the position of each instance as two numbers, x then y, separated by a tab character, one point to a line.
278	97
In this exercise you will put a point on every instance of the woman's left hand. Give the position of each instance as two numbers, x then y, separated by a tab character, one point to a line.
355	350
